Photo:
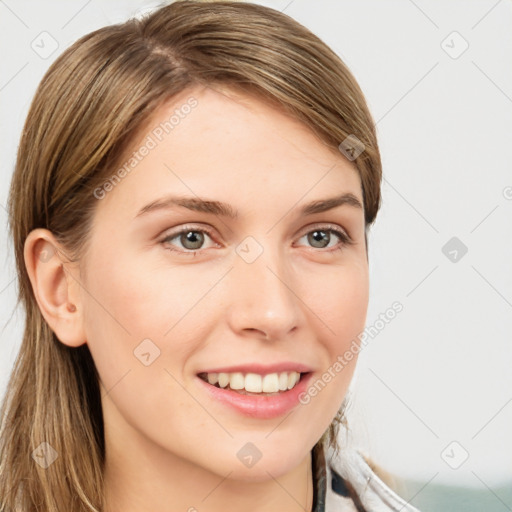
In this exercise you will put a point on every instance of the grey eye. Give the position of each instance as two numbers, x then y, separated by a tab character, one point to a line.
319	238
192	239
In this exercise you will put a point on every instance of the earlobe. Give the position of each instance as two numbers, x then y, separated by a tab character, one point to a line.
56	290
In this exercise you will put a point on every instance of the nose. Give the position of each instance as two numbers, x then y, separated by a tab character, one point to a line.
262	298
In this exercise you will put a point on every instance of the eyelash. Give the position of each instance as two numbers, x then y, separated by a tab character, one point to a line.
345	239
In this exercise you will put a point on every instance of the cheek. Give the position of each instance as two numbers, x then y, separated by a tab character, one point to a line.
342	307
341	303
129	303
140	333
135	294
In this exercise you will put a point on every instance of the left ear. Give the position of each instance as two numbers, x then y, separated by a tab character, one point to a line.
55	285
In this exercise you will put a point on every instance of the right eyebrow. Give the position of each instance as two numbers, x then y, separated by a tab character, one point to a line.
192	203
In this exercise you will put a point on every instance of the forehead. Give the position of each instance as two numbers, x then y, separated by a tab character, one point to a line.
221	142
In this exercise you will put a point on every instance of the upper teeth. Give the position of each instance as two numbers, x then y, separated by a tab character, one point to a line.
252	382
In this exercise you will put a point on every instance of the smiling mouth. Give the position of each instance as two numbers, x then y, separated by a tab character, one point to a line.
253	383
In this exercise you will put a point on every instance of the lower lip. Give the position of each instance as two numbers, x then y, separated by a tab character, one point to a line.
261	407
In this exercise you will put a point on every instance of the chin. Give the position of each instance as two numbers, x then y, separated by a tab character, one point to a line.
260	461
260	472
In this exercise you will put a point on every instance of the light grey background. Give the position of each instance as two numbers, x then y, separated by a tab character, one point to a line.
440	371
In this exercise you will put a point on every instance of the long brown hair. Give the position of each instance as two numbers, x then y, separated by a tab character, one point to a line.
87	109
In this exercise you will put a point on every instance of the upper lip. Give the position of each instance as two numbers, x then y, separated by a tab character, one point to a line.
261	369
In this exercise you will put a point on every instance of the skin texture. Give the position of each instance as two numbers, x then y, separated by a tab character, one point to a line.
169	446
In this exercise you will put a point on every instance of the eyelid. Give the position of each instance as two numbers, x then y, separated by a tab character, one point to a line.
183	228
341	232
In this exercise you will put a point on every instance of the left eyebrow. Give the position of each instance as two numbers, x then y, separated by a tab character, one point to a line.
223	209
328	204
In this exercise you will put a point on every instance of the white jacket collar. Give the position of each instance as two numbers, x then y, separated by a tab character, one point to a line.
332	472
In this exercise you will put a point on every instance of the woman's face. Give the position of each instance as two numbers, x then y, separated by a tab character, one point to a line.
260	289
